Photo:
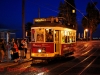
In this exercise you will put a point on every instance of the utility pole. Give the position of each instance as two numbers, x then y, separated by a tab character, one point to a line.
39	12
23	18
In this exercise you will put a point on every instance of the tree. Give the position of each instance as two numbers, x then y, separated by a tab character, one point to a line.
61	10
65	11
91	20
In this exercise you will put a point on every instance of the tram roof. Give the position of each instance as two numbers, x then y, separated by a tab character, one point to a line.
47	24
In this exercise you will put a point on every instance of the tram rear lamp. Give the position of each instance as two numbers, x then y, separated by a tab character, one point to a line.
39	50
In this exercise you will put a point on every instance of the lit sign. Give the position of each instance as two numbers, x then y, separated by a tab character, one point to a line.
40	20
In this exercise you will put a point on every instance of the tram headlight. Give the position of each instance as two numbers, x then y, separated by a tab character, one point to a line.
39	50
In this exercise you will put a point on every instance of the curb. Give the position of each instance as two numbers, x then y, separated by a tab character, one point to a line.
11	64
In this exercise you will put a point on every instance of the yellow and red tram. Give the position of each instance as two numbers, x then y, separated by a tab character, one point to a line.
51	39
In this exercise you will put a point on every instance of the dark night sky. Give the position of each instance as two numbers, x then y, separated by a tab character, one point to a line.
11	12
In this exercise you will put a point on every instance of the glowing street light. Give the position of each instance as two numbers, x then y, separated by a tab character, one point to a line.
86	33
86	30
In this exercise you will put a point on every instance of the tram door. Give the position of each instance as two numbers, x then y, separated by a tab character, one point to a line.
57	41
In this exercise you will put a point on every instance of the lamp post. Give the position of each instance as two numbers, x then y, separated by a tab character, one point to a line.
86	34
23	18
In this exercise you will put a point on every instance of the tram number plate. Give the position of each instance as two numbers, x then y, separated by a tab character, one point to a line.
40	54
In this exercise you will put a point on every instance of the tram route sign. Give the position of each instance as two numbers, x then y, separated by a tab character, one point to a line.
49	47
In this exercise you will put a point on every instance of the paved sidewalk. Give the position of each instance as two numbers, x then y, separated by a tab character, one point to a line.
7	62
11	63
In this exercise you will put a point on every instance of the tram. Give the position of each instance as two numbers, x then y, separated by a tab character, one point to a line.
51	39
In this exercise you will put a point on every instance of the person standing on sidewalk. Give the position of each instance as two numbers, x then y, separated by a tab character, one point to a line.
2	49
21	50
25	47
16	54
12	49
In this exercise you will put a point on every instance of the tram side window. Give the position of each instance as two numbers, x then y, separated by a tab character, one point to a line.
65	37
68	39
74	37
49	35
33	35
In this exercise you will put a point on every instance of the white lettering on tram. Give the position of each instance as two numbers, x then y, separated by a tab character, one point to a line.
42	45
36	45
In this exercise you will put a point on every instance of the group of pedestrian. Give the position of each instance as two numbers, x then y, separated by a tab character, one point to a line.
17	49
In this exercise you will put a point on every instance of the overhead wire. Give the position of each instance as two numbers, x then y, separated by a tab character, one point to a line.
76	9
57	11
46	7
53	6
96	7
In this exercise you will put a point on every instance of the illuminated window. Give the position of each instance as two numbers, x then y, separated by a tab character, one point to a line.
33	35
63	36
68	36
49	35
40	35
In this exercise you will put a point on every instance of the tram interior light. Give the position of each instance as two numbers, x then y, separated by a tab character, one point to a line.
47	29
68	33
65	32
70	40
55	32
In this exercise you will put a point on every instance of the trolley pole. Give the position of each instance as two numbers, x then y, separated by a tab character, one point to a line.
23	18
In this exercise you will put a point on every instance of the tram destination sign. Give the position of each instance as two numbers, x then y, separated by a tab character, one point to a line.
48	46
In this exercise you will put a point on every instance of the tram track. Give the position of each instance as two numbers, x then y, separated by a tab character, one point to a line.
56	67
87	64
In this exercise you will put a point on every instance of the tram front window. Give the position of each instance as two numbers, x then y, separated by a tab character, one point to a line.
40	35
49	35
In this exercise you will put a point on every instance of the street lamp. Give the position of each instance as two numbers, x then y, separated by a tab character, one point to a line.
86	30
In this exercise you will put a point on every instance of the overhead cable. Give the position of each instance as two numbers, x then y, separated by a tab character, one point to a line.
76	9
